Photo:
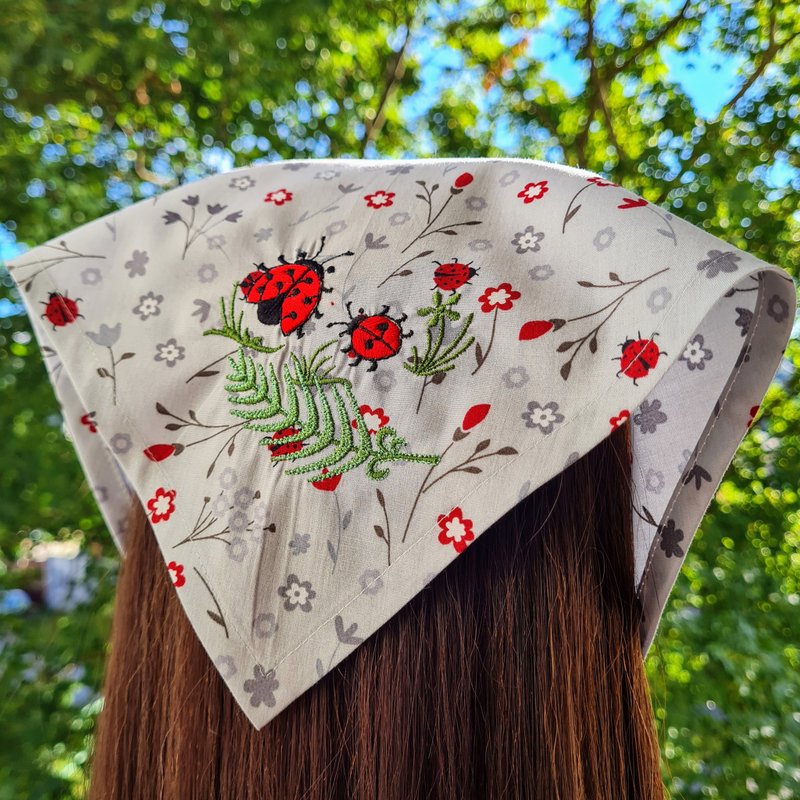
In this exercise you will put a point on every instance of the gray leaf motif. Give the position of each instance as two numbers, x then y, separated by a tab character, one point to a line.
202	310
719	261
346	636
375	244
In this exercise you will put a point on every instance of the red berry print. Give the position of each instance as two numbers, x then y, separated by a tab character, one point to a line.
327	484
176	573
158	452
161	505
631	202
455	529
534	329
464	179
475	416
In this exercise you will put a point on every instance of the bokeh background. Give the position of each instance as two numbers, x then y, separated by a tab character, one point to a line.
693	105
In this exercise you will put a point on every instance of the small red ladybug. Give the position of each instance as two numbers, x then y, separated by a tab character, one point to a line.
289	293
373	337
60	310
452	276
638	357
279	449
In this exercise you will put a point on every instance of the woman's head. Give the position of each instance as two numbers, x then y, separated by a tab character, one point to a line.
517	672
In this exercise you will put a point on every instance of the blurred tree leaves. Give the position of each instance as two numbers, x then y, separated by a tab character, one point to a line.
105	104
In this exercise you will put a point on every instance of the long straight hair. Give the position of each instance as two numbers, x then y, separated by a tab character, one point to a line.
516	673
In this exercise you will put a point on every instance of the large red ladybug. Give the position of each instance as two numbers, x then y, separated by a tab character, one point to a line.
373	337
289	292
638	357
60	310
278	448
452	276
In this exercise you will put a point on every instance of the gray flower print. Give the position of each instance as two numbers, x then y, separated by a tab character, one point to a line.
508	178
371	581
658	300
227	478
515	377
226	666
295	165
263	234
541	273
243	497
299	543
695	354
670	538
207	273
479	245
337	226
384	379
136	263
262	687
399	218
260	514
475	203
242	183
543	417
603	238
91	276
719	261
297	594
743	319
221	504
149	305
237	549
777	308
216	242
105	336
654	481
238	522
265	625
327	174
120	443
170	352
400	169
528	241
649	416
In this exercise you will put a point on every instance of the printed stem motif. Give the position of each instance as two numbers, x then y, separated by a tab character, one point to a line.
332	206
233	329
207	372
384	533
193	232
66	254
591	336
480	356
303	405
208	521
439	359
400	272
428	199
112	374
217	616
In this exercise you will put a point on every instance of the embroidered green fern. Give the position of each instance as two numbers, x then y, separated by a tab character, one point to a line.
318	410
232	327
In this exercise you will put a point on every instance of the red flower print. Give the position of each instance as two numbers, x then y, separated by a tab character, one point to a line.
158	452
475	416
327	484
374	418
161	504
455	530
534	329
631	202
501	297
176	573
88	421
533	191
597	181
622	417
379	199
464	179
279	197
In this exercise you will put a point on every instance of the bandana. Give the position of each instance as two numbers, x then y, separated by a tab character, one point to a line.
324	379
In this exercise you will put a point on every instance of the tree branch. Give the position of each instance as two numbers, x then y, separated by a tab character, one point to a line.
654	41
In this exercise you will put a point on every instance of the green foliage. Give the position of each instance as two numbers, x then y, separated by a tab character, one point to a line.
105	104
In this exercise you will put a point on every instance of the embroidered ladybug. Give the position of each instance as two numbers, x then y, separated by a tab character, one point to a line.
60	310
638	357
289	292
373	337
452	276
278	449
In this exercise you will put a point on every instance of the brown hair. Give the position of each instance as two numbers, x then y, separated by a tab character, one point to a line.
516	673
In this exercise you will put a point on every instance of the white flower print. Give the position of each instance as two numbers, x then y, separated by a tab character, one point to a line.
515	377
207	273
170	352
603	238
659	298
242	183
695	354
297	594
327	174
149	305
91	276
380	199
541	273
226	666
543	417
479	245
777	308
528	240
